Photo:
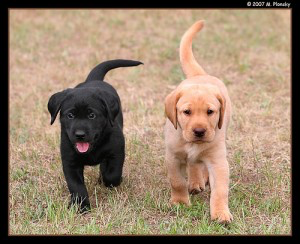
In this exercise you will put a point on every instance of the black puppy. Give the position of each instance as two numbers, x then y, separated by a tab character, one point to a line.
91	130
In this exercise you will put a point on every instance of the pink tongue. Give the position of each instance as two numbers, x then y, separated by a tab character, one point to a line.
82	146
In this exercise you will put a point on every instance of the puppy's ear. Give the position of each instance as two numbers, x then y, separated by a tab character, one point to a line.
112	106
222	101
170	106
54	103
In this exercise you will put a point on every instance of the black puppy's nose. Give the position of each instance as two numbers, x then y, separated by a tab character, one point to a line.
199	132
80	134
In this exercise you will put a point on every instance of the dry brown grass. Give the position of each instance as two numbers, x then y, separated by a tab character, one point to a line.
51	50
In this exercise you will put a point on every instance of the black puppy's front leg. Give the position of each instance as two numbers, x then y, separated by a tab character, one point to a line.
111	171
75	181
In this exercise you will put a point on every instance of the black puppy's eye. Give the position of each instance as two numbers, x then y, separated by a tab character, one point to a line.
209	111
187	112
92	116
71	116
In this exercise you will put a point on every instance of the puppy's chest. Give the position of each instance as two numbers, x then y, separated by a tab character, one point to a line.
94	158
91	161
194	152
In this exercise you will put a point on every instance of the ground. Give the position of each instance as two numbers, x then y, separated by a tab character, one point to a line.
51	50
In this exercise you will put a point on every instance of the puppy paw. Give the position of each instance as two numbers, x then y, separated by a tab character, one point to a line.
84	209
195	191
196	188
178	200
113	182
222	216
80	208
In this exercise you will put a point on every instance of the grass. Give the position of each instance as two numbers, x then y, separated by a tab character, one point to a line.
51	50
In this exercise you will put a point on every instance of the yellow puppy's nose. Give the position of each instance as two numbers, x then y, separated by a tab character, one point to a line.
199	132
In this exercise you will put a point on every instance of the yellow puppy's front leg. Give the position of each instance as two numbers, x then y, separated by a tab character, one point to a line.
219	183
197	177
179	189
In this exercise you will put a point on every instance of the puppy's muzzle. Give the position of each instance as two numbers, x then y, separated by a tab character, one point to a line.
199	132
81	145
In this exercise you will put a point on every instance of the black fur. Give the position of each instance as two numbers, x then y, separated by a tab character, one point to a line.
91	112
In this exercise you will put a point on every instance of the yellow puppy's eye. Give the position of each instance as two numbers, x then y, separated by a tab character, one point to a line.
187	112
209	111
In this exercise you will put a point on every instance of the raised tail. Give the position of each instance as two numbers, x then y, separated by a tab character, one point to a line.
188	62
99	72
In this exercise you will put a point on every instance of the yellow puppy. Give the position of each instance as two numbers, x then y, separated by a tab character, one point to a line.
198	112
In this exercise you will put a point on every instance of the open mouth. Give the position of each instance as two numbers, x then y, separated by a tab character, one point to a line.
82	147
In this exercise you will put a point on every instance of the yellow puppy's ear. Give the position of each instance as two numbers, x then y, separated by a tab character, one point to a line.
222	109
170	107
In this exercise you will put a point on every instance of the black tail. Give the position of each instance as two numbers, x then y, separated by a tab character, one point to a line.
100	70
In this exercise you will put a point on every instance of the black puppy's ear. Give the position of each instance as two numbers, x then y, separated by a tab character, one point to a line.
54	103
112	106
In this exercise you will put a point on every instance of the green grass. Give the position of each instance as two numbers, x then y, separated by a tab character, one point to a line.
51	50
